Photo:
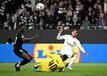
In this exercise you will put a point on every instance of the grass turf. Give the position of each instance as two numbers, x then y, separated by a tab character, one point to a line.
85	69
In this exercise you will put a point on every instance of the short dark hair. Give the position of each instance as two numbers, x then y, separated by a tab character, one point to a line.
74	30
22	28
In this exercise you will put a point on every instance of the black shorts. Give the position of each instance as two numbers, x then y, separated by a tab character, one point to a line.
19	51
64	57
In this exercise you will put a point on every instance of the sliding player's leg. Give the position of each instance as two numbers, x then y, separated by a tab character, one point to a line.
41	66
36	67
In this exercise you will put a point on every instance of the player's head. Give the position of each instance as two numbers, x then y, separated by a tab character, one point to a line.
74	33
22	29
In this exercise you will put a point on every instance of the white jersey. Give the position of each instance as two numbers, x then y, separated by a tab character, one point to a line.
69	43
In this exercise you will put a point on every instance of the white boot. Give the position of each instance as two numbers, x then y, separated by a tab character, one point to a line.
72	61
69	68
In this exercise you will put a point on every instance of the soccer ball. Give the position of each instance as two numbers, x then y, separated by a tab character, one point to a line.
40	6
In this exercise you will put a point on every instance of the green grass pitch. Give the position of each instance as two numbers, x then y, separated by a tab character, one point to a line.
84	69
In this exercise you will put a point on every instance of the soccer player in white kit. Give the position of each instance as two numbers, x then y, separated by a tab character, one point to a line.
69	42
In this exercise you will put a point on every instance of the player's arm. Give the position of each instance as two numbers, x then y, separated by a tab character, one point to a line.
28	39
61	69
48	54
81	48
59	36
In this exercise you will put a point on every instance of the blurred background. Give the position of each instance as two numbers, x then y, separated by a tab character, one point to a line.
67	14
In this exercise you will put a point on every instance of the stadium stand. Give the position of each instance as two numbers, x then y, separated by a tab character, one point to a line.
67	14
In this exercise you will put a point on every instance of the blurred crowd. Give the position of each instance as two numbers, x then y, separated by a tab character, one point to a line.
66	14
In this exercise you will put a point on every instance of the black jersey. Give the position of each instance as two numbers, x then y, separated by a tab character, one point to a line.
19	40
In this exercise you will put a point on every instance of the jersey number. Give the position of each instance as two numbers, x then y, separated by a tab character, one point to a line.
52	65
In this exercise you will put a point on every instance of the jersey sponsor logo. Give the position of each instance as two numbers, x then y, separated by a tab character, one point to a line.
40	49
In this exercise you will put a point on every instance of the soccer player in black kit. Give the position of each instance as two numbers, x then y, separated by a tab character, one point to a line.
19	51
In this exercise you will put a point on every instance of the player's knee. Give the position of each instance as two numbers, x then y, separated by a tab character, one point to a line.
31	58
27	60
75	57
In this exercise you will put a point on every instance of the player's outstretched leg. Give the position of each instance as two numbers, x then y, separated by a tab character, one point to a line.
71	62
17	66
26	59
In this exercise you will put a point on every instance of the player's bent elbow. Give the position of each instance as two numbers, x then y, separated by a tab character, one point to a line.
58	38
61	69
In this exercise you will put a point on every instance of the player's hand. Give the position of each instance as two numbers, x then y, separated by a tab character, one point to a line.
33	37
86	53
60	30
37	36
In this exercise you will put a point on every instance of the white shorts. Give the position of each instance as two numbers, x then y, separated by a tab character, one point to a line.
69	54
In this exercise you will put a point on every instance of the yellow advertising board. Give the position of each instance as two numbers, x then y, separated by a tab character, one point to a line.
39	50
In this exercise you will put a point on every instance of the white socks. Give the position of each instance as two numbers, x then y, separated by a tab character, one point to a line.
72	61
18	65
